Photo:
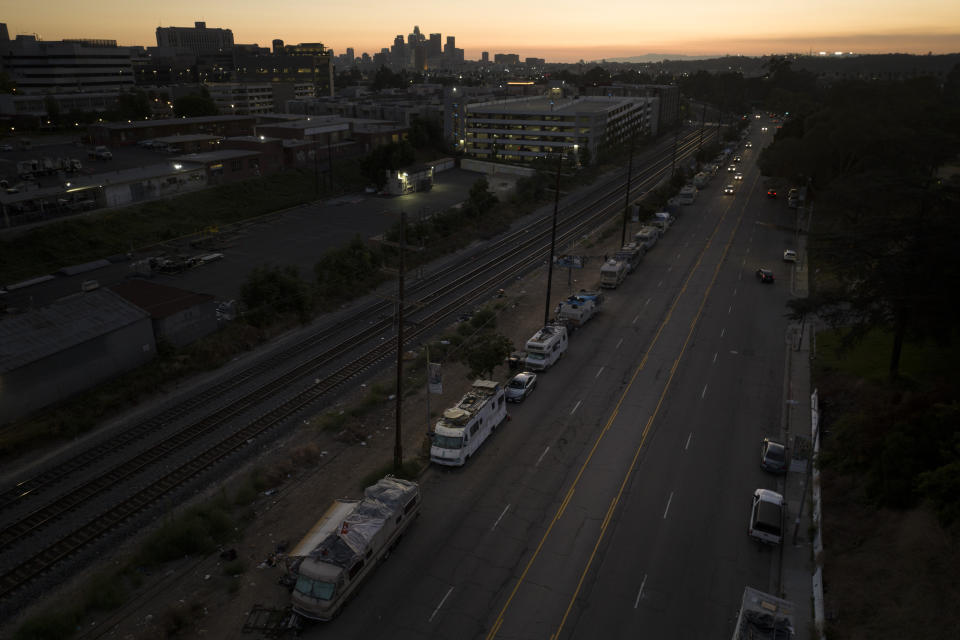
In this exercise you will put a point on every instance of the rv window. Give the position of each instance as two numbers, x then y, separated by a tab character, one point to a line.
315	588
475	427
355	569
447	442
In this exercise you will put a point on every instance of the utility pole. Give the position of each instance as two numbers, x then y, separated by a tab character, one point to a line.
553	240
626	198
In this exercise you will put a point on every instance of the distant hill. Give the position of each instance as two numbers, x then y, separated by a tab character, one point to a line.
657	57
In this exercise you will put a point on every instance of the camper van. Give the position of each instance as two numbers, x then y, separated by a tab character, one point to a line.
462	429
546	347
346	544
612	273
687	194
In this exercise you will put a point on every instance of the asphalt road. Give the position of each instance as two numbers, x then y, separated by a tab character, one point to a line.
616	500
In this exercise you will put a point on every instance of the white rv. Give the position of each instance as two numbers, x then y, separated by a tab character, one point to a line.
647	237
546	347
687	194
345	545
576	311
631	254
463	428
612	273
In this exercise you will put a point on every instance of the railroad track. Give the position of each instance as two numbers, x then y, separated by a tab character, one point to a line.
531	246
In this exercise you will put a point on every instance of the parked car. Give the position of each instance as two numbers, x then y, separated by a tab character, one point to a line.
766	517
520	386
765	275
6	147
773	456
789	255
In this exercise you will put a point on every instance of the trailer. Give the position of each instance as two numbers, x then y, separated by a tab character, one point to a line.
462	429
546	347
343	547
647	237
612	273
763	617
631	253
575	311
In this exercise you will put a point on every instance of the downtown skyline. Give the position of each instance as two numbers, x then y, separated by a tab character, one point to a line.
559	33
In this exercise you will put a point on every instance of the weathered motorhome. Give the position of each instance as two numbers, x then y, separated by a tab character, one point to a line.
344	546
463	428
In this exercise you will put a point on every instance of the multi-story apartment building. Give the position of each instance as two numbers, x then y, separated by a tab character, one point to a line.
242	98
525	129
669	95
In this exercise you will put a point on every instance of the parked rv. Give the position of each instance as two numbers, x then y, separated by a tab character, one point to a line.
462	429
612	273
631	254
546	347
343	547
647	237
687	194
575	311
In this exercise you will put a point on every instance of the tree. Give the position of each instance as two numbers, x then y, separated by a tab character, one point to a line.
481	198
133	105
486	352
386	158
271	291
885	222
195	105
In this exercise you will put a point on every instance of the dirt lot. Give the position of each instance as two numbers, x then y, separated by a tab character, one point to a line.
194	598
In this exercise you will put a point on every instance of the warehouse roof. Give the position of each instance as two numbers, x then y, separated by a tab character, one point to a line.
36	334
159	300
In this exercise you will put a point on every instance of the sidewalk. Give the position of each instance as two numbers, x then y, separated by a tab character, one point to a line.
796	561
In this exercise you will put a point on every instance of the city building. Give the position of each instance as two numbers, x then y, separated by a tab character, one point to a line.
179	317
54	352
669	95
56	67
199	39
524	129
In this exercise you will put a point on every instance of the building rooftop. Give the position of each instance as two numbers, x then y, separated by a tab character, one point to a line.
214	156
159	300
545	106
36	334
159	170
169	122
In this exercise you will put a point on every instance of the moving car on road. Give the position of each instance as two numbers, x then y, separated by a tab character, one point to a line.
771	193
789	255
765	275
728	189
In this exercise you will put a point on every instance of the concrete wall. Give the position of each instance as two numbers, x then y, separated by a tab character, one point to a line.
493	168
73	370
188	325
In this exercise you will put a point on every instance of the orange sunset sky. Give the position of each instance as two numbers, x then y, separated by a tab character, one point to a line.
558	30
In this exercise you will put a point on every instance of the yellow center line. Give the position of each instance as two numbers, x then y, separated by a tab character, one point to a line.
646	429
616	410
